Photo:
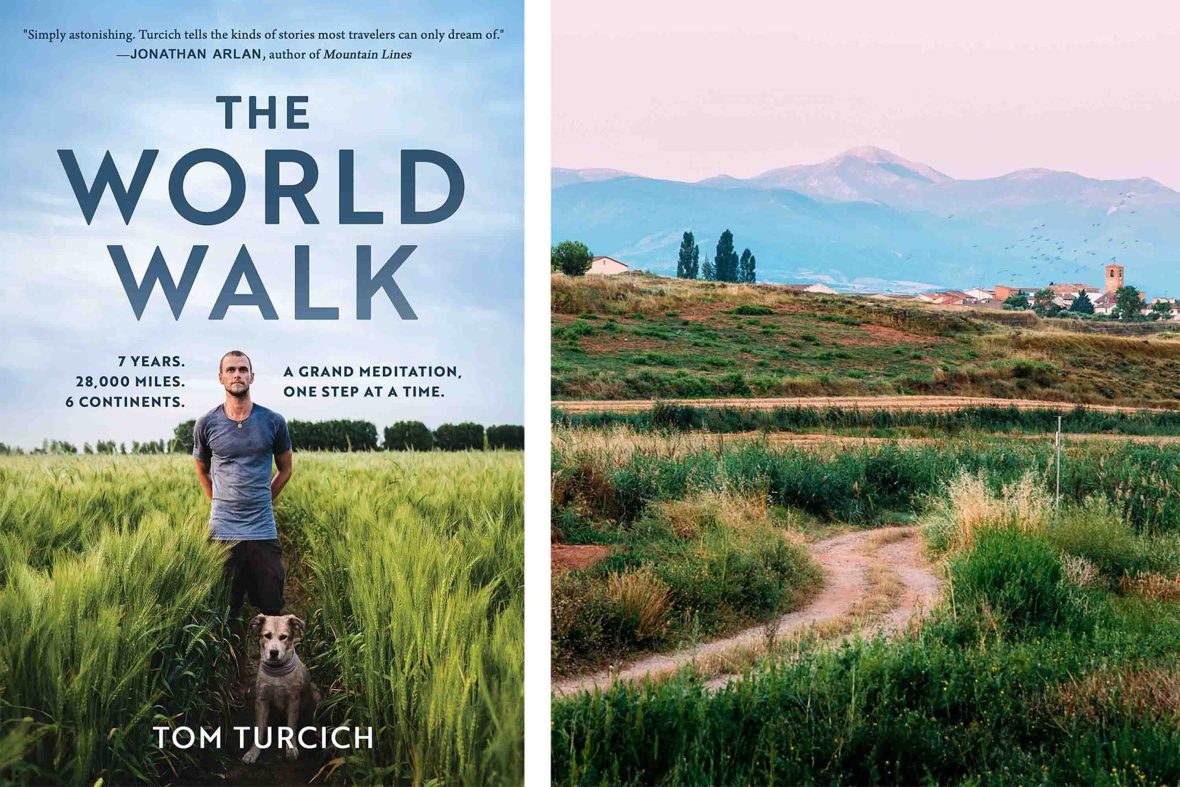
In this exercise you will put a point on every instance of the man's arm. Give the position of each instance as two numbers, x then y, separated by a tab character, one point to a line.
205	479
283	463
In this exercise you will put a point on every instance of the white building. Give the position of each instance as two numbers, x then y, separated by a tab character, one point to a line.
819	288
606	266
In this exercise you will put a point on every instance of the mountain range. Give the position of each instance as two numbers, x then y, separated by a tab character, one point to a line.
870	220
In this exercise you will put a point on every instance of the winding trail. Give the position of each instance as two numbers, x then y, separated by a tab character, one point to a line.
879	578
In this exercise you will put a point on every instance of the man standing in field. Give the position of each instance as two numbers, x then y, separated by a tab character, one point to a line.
234	444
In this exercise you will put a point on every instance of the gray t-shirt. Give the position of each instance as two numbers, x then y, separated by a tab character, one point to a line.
240	464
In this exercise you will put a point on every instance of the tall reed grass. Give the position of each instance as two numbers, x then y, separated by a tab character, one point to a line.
1075	420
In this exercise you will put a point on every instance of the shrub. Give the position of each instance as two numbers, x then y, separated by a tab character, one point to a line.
581	609
571	257
1019	577
752	308
408	436
673	416
1096	532
584	490
716	559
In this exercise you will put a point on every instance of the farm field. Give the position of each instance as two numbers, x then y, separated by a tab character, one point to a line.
641	337
757	415
408	569
622	441
946	622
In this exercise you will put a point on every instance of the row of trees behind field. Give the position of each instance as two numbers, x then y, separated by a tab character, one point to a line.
1129	305
574	258
337	435
725	266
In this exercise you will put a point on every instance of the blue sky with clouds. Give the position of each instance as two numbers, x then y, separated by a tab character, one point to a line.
63	311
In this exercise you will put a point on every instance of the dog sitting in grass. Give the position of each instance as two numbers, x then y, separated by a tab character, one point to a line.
284	685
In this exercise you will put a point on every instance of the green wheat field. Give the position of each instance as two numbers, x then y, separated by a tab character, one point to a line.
408	570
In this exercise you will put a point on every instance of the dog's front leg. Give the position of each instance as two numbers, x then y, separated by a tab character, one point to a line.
261	711
293	722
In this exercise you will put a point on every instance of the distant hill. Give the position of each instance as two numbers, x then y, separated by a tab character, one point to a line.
870	220
564	177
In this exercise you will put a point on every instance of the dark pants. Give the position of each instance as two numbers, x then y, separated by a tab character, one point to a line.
255	569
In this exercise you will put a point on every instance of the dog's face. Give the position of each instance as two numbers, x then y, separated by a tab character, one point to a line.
277	635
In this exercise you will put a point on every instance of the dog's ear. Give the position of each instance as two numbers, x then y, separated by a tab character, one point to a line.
256	623
297	625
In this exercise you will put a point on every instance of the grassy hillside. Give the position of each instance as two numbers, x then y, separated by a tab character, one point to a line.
639	336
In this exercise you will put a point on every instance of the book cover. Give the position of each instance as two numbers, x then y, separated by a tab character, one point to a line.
262	393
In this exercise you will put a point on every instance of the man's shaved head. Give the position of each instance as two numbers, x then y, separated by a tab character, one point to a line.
234	354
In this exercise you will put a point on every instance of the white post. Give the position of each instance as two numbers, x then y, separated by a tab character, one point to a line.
1057	504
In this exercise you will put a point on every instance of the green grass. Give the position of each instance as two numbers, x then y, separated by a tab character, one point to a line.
782	343
713	564
928	709
1075	420
409	571
1019	676
869	485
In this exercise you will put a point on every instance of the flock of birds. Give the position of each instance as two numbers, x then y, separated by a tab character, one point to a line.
1047	254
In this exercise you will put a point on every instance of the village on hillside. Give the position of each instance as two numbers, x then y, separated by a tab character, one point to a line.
1053	297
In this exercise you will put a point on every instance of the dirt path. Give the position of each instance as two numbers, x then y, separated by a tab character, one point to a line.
272	767
924	403
624	443
877	577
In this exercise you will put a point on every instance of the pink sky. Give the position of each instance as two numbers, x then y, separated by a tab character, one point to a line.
691	89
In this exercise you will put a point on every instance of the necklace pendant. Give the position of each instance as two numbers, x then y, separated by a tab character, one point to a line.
239	424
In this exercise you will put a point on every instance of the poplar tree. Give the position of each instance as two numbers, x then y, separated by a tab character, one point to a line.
688	262
725	264
746	268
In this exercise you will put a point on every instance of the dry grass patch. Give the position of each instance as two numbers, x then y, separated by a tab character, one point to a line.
688	517
642	600
639	293
882	595
1156	587
1105	696
885	537
1052	345
616	445
1080	571
967	505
